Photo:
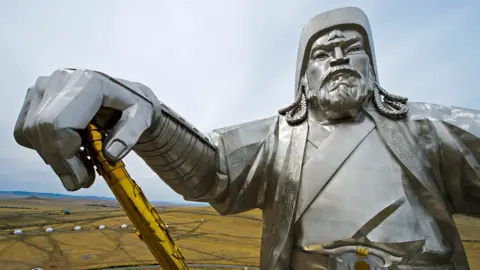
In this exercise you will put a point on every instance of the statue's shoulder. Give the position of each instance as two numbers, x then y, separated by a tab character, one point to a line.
423	110
256	128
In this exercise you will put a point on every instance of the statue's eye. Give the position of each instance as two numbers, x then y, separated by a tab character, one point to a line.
354	49
319	55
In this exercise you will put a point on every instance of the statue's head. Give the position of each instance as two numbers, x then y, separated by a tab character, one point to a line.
336	70
338	76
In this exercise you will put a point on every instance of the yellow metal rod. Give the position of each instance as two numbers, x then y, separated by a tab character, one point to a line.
148	224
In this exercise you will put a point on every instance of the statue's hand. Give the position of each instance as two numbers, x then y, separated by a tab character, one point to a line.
57	107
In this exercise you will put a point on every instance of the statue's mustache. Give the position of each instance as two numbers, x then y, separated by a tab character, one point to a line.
339	69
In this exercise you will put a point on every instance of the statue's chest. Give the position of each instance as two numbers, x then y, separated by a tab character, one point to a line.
364	196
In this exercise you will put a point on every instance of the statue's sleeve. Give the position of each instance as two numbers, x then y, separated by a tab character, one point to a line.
457	146
226	168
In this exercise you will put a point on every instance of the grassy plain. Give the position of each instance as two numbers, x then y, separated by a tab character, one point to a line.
219	240
233	240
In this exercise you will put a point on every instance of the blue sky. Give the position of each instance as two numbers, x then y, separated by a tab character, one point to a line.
217	63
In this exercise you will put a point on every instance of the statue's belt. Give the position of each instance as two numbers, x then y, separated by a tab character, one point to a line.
353	257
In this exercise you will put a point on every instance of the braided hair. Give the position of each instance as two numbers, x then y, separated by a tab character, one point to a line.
389	105
297	112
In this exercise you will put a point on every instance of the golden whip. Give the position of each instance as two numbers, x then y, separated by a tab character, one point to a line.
148	224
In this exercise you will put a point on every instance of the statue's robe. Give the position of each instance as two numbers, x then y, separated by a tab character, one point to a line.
260	166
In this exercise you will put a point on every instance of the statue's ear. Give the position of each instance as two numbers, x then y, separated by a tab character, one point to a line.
304	82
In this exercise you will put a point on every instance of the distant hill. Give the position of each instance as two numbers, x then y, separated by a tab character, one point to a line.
41	195
33	198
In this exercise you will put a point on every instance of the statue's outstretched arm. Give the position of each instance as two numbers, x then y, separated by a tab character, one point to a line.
182	156
201	167
224	168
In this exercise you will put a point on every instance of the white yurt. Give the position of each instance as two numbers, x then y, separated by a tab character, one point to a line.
17	231
166	226
124	226
101	227
202	220
77	228
49	229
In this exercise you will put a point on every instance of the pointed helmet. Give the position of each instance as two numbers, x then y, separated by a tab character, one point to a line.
347	17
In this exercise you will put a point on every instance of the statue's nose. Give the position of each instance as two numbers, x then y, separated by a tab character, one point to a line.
339	58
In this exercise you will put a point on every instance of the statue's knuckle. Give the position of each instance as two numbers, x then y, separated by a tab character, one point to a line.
31	90
60	74
40	84
88	72
59	71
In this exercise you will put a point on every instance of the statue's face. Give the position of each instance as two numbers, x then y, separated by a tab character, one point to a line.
338	74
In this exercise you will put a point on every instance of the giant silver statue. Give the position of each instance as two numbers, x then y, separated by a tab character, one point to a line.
348	176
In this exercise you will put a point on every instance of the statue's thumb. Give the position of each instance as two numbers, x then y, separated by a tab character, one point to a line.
125	134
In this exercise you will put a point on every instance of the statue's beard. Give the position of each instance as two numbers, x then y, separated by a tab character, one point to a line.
340	97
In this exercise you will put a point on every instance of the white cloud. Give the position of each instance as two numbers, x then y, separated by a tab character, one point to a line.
216	63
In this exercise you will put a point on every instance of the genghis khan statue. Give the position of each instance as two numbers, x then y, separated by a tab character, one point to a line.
348	177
